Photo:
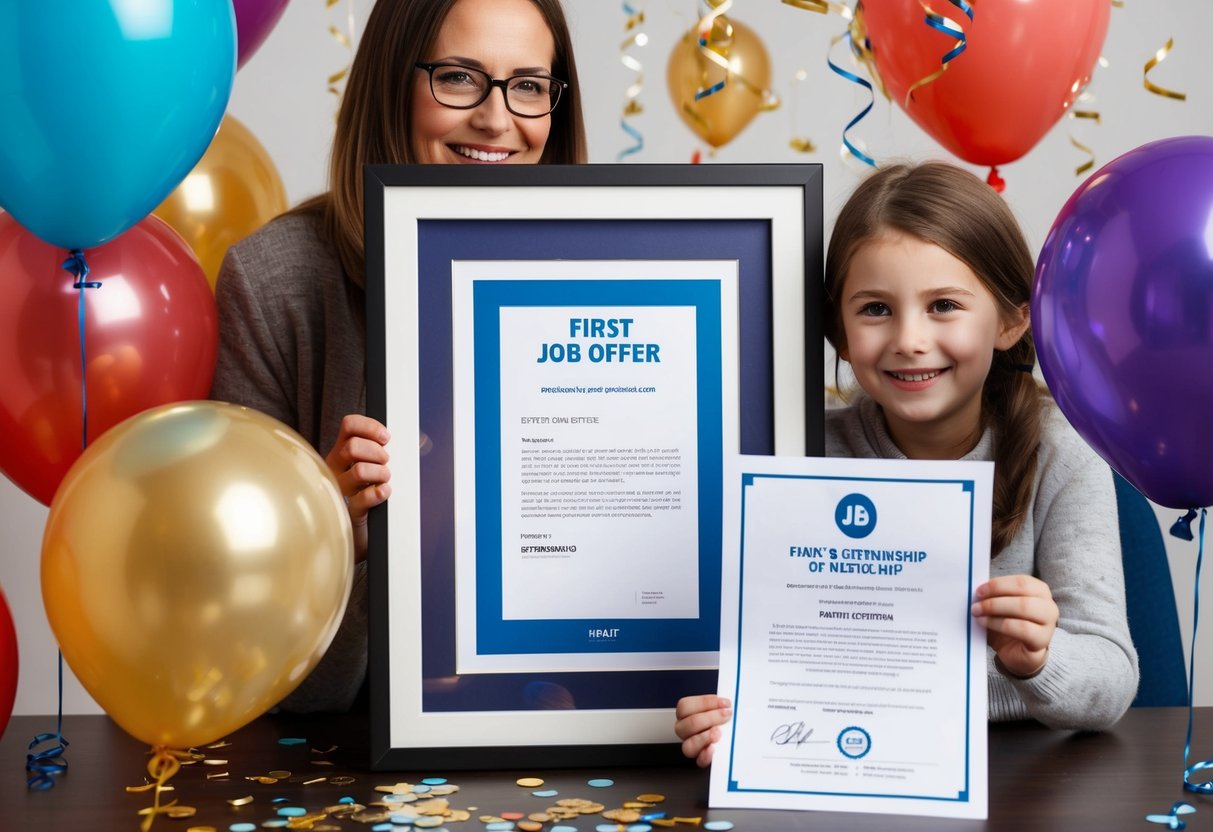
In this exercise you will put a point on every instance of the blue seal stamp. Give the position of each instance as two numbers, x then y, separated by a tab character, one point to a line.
855	516
854	742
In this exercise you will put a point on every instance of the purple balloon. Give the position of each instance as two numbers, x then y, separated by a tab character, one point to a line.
1122	313
254	20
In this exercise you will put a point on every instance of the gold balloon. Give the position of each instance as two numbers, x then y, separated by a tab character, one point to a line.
196	563
719	117
232	191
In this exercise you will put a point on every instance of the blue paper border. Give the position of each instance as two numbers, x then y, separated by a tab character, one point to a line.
497	635
967	485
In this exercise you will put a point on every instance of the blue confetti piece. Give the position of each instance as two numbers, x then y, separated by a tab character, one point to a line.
291	741
563	829
499	826
640	827
280	800
243	827
718	825
434	781
292	811
346	799
607	827
382	827
600	783
402	820
546	793
419	789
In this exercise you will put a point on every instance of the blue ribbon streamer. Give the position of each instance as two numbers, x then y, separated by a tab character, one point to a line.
936	22
851	76
636	135
1171	820
44	764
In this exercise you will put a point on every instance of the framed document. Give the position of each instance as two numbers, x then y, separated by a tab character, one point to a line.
577	350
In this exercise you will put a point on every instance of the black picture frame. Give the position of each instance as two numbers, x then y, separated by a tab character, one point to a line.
419	220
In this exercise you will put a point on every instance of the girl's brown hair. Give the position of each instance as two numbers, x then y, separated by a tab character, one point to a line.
373	124
953	209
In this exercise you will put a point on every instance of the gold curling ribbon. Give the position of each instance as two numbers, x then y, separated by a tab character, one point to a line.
1158	58
716	49
949	27
345	39
799	144
165	762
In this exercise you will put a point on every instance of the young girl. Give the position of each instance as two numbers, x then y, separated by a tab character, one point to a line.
434	81
927	289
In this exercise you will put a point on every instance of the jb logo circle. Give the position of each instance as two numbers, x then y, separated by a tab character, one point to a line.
855	516
854	742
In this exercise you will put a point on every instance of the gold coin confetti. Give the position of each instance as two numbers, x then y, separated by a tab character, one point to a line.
651	798
241	801
529	782
343	780
279	774
529	825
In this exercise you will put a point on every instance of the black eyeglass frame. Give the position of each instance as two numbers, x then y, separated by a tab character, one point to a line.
559	87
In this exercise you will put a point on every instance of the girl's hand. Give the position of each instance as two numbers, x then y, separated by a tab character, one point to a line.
359	461
698	725
1020	616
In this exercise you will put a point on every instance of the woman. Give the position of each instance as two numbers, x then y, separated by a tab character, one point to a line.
434	81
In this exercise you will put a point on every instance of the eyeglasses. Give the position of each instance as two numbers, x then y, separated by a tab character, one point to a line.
462	88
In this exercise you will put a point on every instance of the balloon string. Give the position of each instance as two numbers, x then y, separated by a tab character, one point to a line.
49	761
78	266
1206	787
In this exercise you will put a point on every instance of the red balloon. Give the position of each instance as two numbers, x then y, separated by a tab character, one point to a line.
151	335
8	663
1024	64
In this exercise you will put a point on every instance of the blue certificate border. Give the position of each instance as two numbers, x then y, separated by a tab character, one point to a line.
498	635
968	486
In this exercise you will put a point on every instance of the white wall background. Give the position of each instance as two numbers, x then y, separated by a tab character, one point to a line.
281	95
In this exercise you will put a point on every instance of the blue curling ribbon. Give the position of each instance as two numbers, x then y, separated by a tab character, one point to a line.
1172	820
637	137
851	76
937	22
1189	770
42	765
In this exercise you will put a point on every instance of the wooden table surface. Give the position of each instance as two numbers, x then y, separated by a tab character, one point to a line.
1039	780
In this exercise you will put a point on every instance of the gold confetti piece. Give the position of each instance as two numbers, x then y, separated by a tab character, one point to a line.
215	762
343	780
218	774
459	815
637	804
314	780
491	819
241	801
399	788
220	744
343	808
695	821
529	826
263	780
651	798
144	788
323	763
201	829
529	782
541	817
328	750
181	812
278	774
661	822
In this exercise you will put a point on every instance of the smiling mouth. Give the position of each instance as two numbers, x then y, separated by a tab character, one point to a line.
925	375
481	155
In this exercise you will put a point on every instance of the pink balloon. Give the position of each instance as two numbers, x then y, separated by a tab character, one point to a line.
254	20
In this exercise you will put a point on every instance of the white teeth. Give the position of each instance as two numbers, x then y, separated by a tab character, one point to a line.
480	155
914	376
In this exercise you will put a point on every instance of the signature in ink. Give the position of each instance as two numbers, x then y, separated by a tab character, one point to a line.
794	733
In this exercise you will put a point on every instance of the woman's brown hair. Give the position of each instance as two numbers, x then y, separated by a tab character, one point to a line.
953	209
373	124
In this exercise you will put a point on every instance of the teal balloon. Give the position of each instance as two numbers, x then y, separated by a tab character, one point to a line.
105	106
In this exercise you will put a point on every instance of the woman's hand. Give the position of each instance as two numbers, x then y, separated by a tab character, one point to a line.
1020	616
359	461
698	724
